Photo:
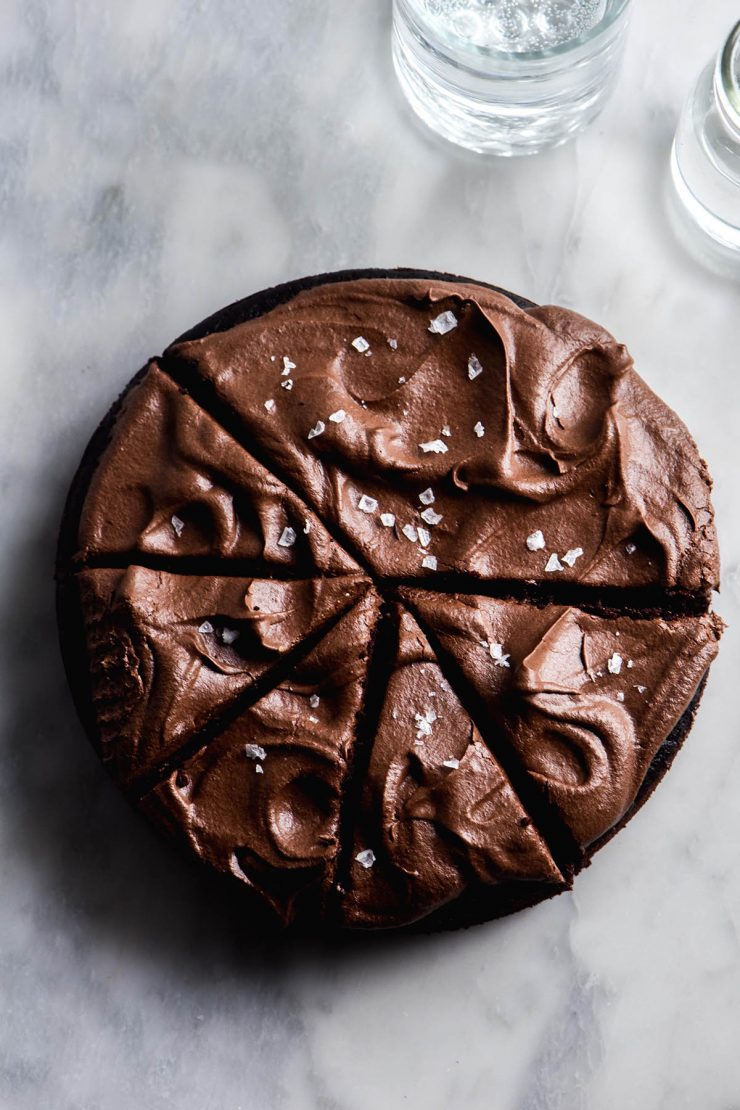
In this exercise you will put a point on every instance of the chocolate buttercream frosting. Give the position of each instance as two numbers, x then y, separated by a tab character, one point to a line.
386	596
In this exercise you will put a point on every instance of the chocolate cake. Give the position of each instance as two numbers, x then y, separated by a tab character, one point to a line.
386	595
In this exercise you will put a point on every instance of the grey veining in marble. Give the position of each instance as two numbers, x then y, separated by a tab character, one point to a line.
159	159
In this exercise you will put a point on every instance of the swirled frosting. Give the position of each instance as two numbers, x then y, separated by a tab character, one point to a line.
316	562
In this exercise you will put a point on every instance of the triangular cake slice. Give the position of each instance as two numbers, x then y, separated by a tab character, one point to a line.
436	813
169	653
520	423
585	701
261	801
171	481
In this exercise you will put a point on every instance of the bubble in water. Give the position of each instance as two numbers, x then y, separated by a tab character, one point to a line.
513	25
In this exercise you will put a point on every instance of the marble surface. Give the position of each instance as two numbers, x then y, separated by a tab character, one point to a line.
163	157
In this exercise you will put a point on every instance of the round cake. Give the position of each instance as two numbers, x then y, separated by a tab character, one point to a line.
386	595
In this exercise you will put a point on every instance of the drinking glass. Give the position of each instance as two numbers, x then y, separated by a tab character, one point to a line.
705	162
508	76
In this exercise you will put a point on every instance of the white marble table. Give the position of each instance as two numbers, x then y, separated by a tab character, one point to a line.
161	158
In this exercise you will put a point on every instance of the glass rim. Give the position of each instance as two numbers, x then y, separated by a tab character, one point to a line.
726	87
614	10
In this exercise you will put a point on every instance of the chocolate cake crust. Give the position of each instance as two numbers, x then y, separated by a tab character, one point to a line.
467	509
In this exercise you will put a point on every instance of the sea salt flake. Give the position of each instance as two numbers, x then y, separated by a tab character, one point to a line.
429	562
270	405
229	635
641	689
366	858
536	541
553	564
479	430
571	556
387	520
287	384
287	538
259	769
446	431
402	381
436	446
314	701
425	537
318	429
287	365
393	344
427	496
614	663
338	416
367	504
205	627
498	655
430	516
630	548
452	764
177	523
619	696
630	664
255	751
361	344
410	532
314	720
443	323
306	527
474	367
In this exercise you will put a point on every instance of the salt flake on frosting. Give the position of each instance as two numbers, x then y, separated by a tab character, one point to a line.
498	655
479	430
425	537
571	556
430	516
306	527
474	367
630	548
177	523
387	520
410	532
287	366
427	496
614	663
435	446
229	635
287	538
536	541
451	764
393	344
287	384
446	431
270	405
553	564
429	562
206	627
367	504
259	769
361	344
366	858
338	416
443	323
318	429
255	751
314	701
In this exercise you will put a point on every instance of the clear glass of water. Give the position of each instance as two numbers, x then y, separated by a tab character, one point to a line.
705	162
508	76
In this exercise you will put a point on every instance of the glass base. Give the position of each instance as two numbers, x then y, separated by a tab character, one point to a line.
502	115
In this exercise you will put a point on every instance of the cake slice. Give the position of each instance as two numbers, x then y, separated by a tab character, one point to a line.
261	801
435	813
169	654
586	702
